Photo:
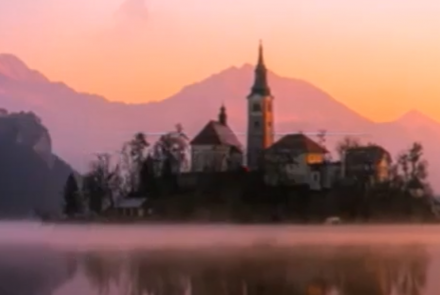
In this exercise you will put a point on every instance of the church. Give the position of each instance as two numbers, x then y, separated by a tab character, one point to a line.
217	149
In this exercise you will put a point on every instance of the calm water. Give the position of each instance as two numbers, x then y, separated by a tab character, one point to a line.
40	259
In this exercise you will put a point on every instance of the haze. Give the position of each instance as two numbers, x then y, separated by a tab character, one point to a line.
88	237
50	243
378	57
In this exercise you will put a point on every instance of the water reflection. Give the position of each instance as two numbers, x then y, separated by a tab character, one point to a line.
34	270
296	270
344	270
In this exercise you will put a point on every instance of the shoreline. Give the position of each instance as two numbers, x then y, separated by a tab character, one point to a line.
226	223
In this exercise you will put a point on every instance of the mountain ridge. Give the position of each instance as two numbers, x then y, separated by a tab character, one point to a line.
82	124
245	66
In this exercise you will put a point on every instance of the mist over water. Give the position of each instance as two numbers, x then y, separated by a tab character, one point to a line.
89	236
57	259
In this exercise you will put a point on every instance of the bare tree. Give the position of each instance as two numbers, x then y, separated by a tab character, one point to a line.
411	164
171	151
102	183
133	155
138	146
346	143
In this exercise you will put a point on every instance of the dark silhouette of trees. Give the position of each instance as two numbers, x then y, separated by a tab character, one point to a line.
407	193
101	183
271	195
72	202
148	180
409	182
107	181
411	166
94	193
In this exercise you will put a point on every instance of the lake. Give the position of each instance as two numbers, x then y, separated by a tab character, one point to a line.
44	259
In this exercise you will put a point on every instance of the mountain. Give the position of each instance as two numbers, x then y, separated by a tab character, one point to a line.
82	124
31	177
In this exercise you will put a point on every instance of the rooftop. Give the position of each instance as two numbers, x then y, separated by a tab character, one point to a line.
215	133
299	142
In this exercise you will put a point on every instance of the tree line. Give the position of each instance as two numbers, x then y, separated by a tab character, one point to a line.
111	178
406	194
131	175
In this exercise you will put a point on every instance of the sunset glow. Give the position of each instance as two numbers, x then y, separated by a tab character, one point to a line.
380	58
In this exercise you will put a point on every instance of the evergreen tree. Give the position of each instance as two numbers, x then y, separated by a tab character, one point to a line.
71	196
95	192
147	180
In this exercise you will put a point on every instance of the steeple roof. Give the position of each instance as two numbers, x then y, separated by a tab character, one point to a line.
222	117
260	86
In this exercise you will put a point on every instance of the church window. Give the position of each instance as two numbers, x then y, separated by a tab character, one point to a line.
257	124
256	107
269	107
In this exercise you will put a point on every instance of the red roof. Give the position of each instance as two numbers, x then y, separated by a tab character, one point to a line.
215	133
299	142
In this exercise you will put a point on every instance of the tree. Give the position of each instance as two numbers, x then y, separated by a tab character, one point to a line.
102	183
346	143
133	157
411	164
93	192
72	203
418	165
147	181
171	150
409	188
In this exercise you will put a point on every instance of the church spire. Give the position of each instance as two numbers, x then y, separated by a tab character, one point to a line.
260	87
260	54
222	117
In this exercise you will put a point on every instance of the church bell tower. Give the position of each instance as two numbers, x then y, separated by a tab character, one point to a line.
260	131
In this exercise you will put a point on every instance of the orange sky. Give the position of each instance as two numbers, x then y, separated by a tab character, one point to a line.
379	57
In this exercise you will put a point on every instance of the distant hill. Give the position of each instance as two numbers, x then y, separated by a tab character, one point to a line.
82	124
31	177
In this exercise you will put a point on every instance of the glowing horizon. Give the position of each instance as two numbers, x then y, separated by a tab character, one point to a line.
380	59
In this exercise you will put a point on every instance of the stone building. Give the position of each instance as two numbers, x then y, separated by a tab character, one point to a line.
216	148
293	160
